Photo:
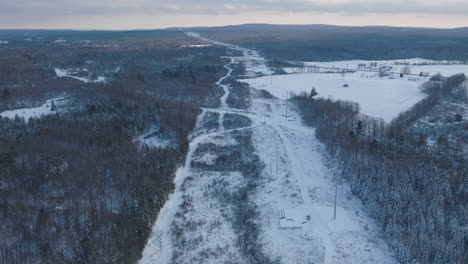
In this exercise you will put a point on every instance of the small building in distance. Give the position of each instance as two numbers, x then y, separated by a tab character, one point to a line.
361	66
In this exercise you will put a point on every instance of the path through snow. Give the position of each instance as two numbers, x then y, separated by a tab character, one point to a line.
295	177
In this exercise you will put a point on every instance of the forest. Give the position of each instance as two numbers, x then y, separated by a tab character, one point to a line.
418	194
331	43
77	186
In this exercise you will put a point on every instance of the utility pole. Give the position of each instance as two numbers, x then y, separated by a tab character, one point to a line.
277	160
271	170
336	197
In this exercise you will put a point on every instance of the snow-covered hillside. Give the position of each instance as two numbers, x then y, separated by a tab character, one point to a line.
27	113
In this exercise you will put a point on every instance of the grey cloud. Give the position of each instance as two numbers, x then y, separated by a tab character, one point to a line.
21	11
103	7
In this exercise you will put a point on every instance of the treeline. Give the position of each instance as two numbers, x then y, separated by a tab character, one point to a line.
77	186
437	89
334	43
419	200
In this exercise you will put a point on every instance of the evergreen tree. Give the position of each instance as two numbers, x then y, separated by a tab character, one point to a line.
359	128
53	107
5	94
313	93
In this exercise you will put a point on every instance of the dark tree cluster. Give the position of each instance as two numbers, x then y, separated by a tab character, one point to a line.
420	199
334	43
77	186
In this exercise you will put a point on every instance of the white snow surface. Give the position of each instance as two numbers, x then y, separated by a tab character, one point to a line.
382	97
198	46
378	97
68	73
295	177
254	64
298	179
153	141
416	65
36	112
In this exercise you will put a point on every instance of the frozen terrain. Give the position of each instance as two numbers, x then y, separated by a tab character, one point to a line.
153	140
72	73
203	222
378	97
36	112
383	97
416	66
198	46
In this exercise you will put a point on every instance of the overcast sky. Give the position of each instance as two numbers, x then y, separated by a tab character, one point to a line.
146	14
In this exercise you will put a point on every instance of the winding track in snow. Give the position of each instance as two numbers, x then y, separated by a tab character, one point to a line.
159	246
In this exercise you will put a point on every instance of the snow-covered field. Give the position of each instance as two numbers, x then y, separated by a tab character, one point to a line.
416	66
378	97
36	112
253	67
195	227
72	73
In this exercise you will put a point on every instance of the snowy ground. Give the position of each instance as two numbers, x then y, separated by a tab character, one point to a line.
72	73
198	46
197	225
153	140
382	97
416	65
378	97
36	112
297	179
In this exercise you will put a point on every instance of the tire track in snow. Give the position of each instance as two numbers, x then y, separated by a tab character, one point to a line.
159	246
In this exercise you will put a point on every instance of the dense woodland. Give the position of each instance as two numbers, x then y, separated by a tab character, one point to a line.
76	186
418	194
329	43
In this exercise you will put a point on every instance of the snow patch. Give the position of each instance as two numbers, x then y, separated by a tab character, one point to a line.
198	46
416	66
207	158
37	112
153	141
70	73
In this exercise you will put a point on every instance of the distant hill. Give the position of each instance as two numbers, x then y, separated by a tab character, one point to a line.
301	42
327	42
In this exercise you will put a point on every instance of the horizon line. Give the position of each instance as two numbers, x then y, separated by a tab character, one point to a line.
227	25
